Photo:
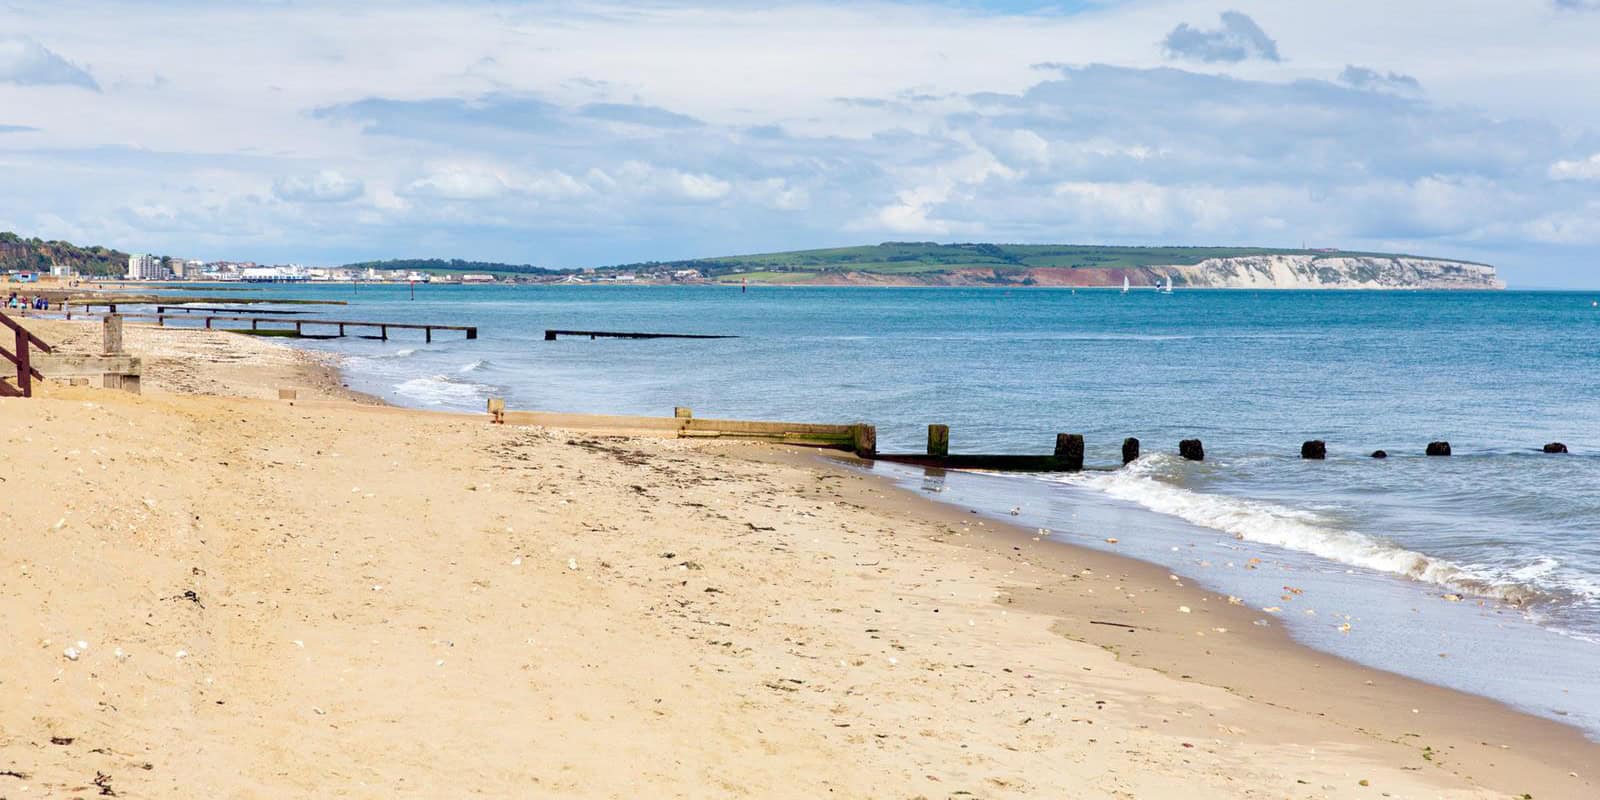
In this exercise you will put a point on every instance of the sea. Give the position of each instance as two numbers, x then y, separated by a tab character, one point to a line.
1480	571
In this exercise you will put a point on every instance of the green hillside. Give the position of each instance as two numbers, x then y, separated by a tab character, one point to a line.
906	258
17	253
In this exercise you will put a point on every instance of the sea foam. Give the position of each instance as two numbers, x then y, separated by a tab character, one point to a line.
1148	482
442	390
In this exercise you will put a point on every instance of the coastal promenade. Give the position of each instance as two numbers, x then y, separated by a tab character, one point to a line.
213	593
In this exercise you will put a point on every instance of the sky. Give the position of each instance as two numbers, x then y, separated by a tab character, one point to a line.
585	134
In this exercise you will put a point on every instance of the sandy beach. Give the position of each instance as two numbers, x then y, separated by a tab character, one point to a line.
209	592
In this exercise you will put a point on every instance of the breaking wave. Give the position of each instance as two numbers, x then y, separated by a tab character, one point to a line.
443	390
1143	483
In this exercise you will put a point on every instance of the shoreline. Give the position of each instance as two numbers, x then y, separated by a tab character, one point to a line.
1473	725
1348	693
1241	690
1239	619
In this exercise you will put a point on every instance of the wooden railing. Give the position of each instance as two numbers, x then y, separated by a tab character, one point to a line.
21	358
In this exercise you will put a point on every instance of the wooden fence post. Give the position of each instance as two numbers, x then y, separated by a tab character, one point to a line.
24	363
1069	451
939	440
111	334
1192	450
865	439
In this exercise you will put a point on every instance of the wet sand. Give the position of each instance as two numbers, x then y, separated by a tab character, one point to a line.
322	598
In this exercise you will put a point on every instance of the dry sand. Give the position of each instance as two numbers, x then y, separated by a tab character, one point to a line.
322	598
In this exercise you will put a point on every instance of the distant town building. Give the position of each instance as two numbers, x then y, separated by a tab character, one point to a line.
477	277
62	271
145	267
185	267
289	274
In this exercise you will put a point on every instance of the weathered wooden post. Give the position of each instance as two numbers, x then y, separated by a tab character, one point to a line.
864	438
1555	447
497	410
1314	450
24	362
1130	450
1069	451
111	334
1192	450
1438	448
939	440
680	412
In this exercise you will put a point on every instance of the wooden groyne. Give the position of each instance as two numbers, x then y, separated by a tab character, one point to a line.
111	302
552	335
324	328
1069	454
859	438
113	367
216	310
1067	457
862	439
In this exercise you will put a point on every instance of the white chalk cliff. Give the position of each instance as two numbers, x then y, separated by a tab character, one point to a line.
1332	272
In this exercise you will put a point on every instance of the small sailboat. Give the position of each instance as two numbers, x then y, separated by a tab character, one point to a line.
1124	284
1167	289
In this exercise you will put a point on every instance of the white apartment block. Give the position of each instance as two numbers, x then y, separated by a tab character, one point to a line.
145	267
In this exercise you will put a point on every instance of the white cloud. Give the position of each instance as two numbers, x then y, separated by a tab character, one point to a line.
25	62
460	182
1365	78
958	178
1238	39
1586	169
326	186
639	176
591	126
777	194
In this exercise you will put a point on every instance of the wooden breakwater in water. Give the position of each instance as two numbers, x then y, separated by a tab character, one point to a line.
297	326
553	335
1069	454
861	438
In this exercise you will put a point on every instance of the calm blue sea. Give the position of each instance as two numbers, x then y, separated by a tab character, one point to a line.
1480	571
